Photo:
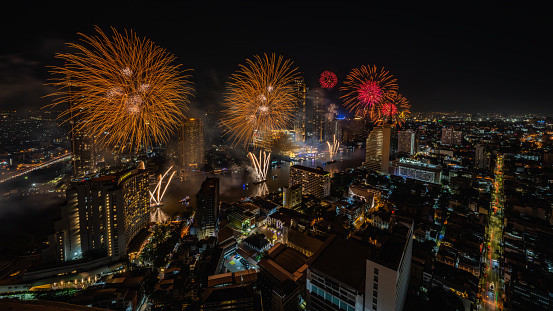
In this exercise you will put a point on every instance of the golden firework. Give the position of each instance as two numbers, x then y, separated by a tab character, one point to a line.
260	98
125	91
365	89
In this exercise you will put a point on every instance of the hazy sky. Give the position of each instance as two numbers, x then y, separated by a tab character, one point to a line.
491	57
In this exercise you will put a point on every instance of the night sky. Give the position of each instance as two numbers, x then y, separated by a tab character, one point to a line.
490	57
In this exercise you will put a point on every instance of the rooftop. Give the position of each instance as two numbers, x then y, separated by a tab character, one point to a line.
310	170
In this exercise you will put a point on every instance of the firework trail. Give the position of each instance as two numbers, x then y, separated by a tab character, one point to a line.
261	164
333	148
123	90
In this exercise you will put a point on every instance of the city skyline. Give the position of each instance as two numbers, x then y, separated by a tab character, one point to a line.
488	58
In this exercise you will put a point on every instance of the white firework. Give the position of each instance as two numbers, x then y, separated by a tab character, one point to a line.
333	148
261	164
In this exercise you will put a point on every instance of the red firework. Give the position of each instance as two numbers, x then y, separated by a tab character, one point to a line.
366	89
369	93
328	79
388	109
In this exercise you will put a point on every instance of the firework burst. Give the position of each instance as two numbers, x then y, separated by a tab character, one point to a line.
328	79
260	98
123	90
366	88
394	110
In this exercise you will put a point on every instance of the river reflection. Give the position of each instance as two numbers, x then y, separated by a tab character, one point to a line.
233	186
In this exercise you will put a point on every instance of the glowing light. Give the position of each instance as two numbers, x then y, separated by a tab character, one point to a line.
122	85
260	98
328	79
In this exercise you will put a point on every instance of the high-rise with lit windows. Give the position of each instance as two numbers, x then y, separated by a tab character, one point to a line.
101	217
191	144
378	149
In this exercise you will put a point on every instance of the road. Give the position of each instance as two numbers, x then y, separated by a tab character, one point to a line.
491	282
18	173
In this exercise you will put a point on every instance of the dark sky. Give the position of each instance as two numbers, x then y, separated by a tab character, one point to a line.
490	57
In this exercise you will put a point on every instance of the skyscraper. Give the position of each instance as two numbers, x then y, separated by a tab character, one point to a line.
101	217
313	181
208	207
300	120
191	144
378	149
84	151
407	142
316	113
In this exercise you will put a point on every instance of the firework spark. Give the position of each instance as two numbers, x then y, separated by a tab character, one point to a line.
328	79
365	88
333	148
260	98
123	90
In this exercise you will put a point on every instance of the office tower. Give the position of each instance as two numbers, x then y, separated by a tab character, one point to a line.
417	170
101	217
316	113
346	274
191	144
207	200
451	137
313	181
84	151
301	116
407	142
378	149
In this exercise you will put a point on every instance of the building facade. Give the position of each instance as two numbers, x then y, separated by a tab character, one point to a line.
208	207
417	170
378	149
313	181
407	142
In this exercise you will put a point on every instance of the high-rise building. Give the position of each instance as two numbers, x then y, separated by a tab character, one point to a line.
208	207
300	125
346	274
191	144
84	151
407	142
313	181
450	137
378	149
316	114
101	217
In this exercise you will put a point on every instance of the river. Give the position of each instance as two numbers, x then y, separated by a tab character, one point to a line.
232	185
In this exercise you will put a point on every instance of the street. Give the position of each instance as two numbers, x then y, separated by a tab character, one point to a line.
491	282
